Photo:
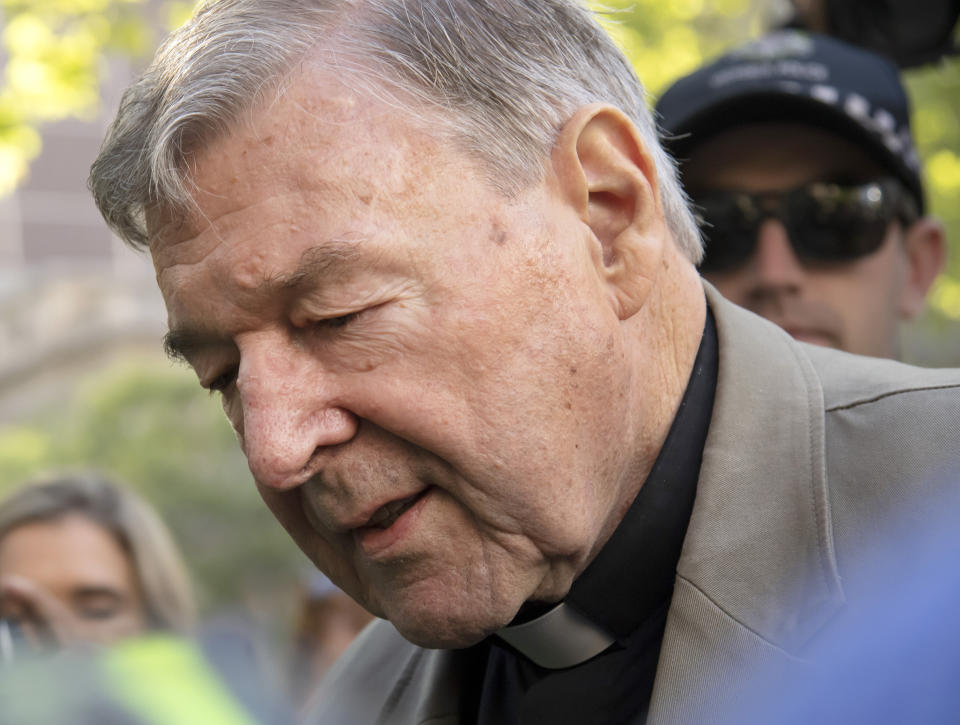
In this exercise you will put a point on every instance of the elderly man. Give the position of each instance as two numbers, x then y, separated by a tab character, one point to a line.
797	151
433	259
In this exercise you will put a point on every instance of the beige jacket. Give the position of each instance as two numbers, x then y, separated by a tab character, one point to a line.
807	450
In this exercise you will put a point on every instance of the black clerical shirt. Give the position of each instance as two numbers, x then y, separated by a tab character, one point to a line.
625	590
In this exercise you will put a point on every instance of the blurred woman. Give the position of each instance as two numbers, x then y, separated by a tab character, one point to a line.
327	622
84	561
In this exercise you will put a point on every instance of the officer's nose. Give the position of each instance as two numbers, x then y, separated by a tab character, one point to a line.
775	267
285	414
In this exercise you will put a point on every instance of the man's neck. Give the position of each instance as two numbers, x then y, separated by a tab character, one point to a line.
663	346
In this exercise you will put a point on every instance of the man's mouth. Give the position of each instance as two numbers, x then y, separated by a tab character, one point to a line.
390	525
384	516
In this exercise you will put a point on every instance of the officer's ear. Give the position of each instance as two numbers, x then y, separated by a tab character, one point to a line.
925	246
606	172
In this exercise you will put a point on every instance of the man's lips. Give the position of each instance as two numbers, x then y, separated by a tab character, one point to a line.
390	524
379	517
386	515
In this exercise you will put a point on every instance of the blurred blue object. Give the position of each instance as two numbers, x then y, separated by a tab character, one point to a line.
319	585
893	656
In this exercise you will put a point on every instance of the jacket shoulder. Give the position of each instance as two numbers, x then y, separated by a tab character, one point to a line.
851	380
892	446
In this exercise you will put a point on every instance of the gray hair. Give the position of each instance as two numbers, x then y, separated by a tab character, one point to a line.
505	75
155	560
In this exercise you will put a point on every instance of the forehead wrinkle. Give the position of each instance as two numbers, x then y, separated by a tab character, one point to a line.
318	264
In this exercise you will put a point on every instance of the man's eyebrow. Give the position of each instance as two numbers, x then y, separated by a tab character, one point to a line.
323	261
180	344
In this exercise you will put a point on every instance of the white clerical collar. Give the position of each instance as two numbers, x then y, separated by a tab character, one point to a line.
560	638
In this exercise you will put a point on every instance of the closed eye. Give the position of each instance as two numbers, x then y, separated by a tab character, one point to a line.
223	381
98	604
341	321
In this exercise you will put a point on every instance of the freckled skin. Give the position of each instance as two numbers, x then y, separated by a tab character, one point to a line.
485	359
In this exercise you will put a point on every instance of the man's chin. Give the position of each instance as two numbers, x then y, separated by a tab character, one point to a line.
445	632
442	639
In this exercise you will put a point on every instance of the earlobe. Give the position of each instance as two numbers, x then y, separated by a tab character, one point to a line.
607	174
926	250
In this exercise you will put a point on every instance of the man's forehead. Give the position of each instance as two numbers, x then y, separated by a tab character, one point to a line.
303	125
290	155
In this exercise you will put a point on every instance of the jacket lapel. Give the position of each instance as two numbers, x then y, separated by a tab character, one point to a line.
757	577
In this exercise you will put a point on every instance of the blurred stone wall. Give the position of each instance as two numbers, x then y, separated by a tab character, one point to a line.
72	296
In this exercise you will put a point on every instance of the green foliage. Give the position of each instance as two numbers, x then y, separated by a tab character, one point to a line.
54	50
152	427
935	92
666	39
178	12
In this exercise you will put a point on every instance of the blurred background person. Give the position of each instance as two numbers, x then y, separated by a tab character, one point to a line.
797	151
85	561
326	623
88	571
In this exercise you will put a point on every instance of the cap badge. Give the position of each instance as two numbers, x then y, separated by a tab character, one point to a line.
785	44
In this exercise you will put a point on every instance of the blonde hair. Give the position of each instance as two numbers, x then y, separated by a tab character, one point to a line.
156	561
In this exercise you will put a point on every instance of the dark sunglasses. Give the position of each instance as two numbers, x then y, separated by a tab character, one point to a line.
825	222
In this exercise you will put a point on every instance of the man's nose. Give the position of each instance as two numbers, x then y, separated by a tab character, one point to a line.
775	263
289	416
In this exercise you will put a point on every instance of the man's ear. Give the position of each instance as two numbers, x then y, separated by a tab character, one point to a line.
606	173
926	249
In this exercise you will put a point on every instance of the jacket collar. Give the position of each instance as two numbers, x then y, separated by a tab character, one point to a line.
760	543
